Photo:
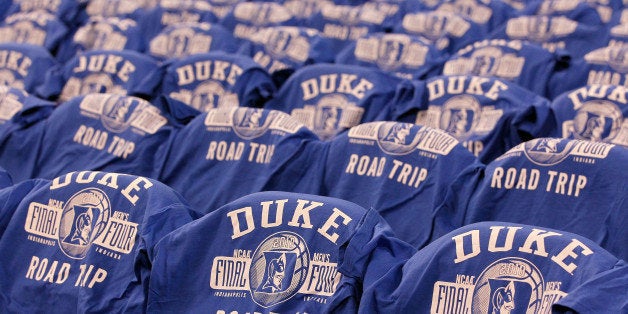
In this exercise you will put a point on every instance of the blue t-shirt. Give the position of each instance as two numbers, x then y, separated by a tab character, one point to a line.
186	39
570	185
330	98
37	28
287	48
24	66
5	179
103	33
274	252
247	18
529	65
447	31
598	294
583	11
123	72
602	66
104	132
594	113
487	115
406	172
343	24
554	33
488	14
21	131
65	10
211	80
493	267
232	152
83	242
167	13
406	56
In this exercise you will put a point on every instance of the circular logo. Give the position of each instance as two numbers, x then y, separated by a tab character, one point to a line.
210	95
119	111
486	61
279	268
329	111
391	52
460	116
507	285
598	120
249	123
83	219
396	138
547	151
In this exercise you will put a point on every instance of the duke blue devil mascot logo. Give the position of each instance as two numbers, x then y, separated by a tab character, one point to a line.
84	218
278	268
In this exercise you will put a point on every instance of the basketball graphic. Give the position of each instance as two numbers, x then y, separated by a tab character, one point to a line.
508	285
279	268
83	219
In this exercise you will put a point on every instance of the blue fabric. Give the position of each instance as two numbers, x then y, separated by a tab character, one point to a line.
267	252
586	12
487	115
406	56
554	33
104	132
447	31
593	113
602	292
406	172
36	28
24	66
602	66
65	10
186	39
287	48
102	71
569	185
228	153
216	79
168	13
84	242
345	23
330	98
520	62
21	131
247	18
102	33
489	266
488	14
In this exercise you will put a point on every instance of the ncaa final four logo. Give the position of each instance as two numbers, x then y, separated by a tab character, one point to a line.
83	219
509	285
278	268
